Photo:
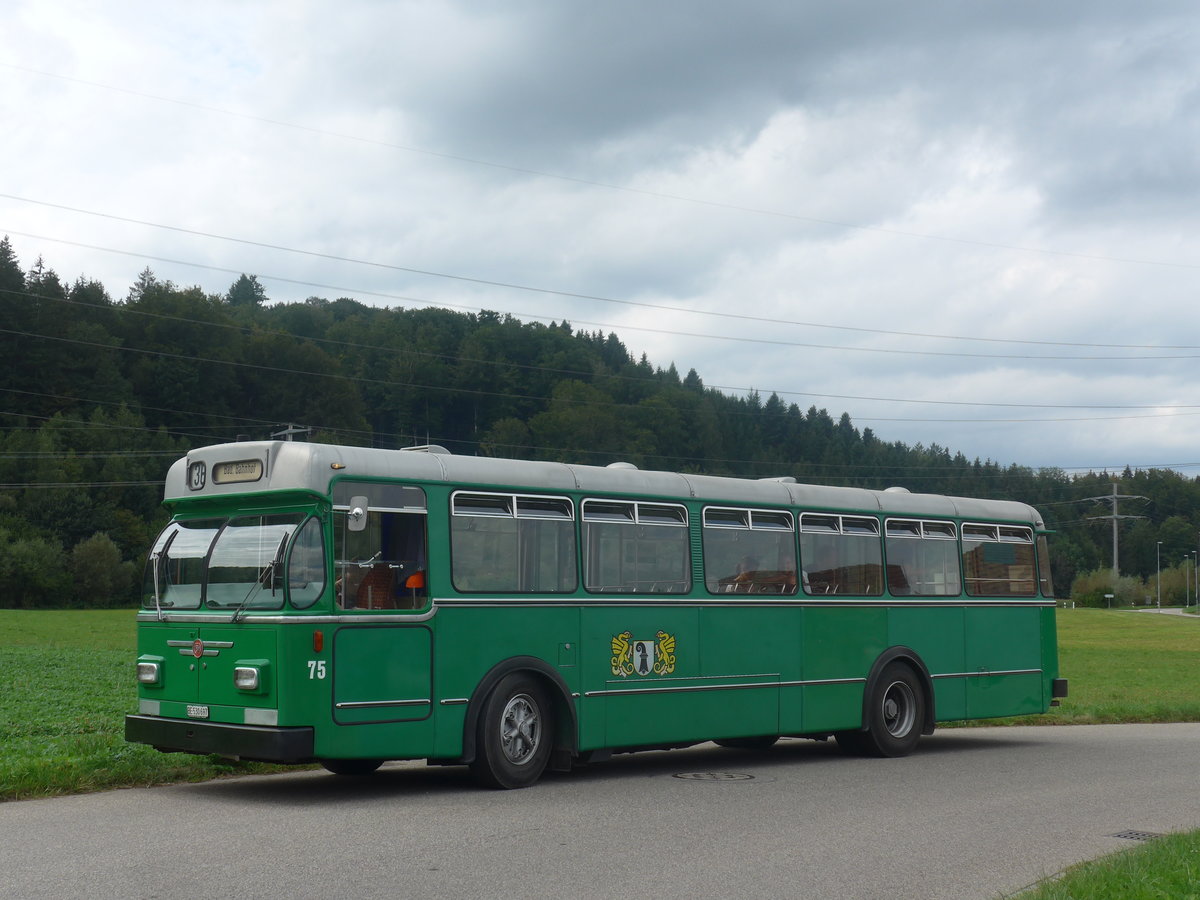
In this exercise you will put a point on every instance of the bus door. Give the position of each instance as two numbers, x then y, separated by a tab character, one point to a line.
382	666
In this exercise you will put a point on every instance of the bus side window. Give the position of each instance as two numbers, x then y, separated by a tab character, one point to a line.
749	551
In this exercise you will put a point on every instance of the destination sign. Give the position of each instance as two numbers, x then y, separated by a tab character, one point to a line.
239	471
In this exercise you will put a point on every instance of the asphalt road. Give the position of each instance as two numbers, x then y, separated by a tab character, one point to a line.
974	813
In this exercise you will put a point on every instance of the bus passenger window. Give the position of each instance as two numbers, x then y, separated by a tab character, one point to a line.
922	558
999	560
511	543
840	555
636	548
749	551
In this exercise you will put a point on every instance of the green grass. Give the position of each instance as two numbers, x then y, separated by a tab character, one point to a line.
1167	868
66	683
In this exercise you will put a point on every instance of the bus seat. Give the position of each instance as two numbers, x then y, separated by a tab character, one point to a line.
375	590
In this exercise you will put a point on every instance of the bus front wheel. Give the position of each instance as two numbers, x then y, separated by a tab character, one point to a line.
516	730
894	717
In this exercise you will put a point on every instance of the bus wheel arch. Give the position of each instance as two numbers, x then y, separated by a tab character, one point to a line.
898	706
520	685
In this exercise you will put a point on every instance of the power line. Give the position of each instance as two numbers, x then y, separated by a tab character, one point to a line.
471	391
644	192
879	471
674	332
40	485
561	293
126	309
513	396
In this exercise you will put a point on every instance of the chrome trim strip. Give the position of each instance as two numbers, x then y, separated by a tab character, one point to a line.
379	704
456	701
763	600
677	678
676	689
678	602
292	619
222	645
989	673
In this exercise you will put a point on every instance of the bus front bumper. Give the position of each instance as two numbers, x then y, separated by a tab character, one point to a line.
255	742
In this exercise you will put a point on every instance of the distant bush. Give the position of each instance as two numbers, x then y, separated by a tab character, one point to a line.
101	577
1090	588
32	573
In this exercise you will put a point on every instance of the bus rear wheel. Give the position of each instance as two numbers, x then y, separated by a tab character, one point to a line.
516	730
895	716
352	766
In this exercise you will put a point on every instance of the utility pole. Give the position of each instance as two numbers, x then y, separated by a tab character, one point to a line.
289	429
1114	498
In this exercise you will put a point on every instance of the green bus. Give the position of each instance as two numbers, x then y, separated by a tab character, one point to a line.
345	605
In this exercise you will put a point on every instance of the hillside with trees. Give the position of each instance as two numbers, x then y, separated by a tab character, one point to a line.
101	394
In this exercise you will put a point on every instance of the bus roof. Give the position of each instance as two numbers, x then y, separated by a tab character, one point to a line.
258	466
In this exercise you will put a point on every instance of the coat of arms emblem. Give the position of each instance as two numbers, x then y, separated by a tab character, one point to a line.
643	656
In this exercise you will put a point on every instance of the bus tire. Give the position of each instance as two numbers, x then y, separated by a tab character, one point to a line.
760	742
516	733
895	714
358	767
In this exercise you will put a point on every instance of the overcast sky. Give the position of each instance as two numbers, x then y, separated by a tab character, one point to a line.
971	224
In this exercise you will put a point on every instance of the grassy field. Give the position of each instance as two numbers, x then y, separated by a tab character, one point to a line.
66	682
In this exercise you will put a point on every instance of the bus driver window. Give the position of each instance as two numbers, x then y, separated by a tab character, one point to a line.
381	563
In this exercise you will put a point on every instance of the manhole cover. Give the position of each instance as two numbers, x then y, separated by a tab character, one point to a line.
1136	835
714	776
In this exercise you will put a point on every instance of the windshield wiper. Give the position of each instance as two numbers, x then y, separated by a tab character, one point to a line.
154	558
269	571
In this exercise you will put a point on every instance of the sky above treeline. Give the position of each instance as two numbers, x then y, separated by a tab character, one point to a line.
969	224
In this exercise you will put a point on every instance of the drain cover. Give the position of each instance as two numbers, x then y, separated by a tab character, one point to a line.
1136	835
714	776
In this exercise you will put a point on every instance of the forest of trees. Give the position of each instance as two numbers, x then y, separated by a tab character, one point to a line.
100	395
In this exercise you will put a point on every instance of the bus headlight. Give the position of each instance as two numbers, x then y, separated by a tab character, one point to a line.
149	673
246	678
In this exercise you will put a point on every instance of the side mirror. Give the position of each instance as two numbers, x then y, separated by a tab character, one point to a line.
357	517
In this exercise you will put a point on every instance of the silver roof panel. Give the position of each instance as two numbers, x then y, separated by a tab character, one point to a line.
311	467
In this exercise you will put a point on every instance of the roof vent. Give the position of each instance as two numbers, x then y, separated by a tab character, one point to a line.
781	479
621	465
429	448
897	490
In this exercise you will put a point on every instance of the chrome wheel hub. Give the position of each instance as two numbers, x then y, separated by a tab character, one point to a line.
520	729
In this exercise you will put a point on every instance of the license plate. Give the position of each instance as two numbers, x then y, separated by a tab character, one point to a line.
197	712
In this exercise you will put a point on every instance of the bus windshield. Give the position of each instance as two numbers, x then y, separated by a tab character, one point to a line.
234	564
